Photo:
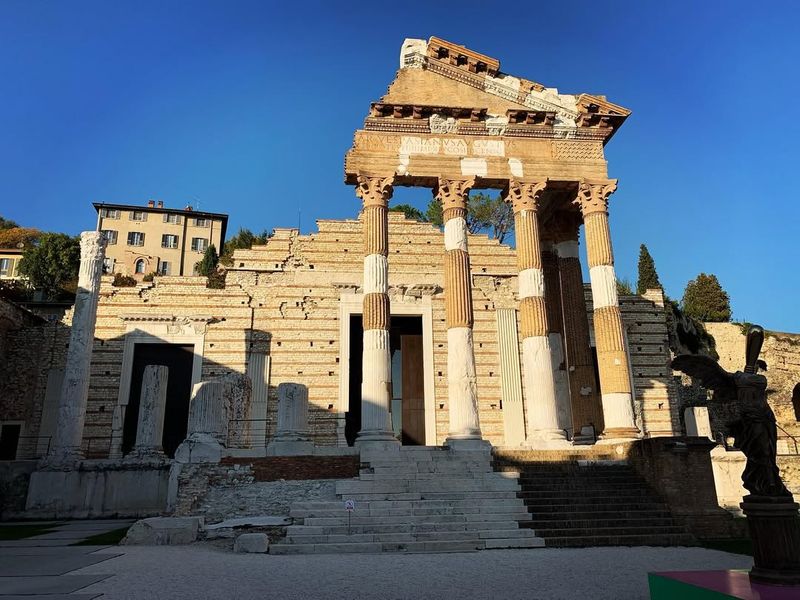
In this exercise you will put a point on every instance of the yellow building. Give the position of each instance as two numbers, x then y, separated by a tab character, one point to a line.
155	239
9	263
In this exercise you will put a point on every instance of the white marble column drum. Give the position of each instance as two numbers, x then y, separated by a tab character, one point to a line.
152	404
465	430
376	384
291	437
612	351
208	424
67	441
543	428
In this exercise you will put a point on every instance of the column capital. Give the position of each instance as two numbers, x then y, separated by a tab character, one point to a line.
452	193
374	189
525	194
593	195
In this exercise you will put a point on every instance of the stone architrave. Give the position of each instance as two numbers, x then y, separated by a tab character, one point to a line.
152	404
67	441
609	335
544	429
291	439
237	392
465	429
208	424
376	384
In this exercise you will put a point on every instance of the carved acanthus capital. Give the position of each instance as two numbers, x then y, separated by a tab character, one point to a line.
452	193
525	194
593	195
374	190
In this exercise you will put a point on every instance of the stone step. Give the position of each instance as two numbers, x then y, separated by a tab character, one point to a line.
435	467
435	536
609	531
579	483
444	477
401	528
408	547
586	494
598	523
339	511
600	515
394	520
400	486
411	504
538	506
462	495
624	540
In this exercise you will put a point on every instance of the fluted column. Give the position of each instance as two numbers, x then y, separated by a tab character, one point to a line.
541	407
586	408
376	383
462	390
612	351
66	446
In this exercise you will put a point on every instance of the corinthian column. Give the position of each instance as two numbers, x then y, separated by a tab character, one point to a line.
541	405
66	446
612	351
376	383
462	391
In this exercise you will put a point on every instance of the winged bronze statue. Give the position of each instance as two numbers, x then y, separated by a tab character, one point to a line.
751	422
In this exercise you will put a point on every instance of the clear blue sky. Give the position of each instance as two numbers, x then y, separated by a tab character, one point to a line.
248	108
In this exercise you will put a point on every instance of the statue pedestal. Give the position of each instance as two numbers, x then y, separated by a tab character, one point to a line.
774	526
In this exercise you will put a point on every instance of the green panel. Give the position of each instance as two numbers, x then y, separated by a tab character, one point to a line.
664	588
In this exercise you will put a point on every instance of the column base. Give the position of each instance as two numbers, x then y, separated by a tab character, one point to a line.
290	448
377	440
467	444
62	459
616	435
548	444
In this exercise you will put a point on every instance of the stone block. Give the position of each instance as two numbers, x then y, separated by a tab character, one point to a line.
251	543
163	531
199	448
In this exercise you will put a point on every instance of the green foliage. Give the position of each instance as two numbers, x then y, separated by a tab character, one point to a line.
209	262
121	280
150	276
648	277
688	333
7	223
704	299
18	237
624	287
52	264
485	213
16	290
411	212
216	280
243	240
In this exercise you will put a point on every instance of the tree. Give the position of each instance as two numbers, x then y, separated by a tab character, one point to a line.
52	263
18	237
208	264
624	287
7	223
648	278
411	212
704	299
484	213
244	239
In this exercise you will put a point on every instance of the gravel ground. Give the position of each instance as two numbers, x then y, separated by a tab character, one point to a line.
201	572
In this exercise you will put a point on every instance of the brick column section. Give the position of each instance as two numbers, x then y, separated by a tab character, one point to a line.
612	352
586	408
555	333
541	406
376	383
462	390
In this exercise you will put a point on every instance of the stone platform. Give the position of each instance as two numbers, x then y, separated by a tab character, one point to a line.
415	499
715	585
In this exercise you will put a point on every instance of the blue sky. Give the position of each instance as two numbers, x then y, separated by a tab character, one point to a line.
248	108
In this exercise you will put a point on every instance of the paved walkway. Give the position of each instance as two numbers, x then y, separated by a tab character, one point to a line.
200	572
42	567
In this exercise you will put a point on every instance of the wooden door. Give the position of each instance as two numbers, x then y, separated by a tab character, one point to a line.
413	390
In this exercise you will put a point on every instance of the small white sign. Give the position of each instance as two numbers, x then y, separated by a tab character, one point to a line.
349	505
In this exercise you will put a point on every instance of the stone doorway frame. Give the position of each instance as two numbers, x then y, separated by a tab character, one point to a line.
418	304
154	329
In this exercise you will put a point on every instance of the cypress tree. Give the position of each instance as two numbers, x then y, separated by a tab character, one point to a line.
648	278
208	265
704	299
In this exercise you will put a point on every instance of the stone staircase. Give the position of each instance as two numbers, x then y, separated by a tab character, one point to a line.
580	503
416	499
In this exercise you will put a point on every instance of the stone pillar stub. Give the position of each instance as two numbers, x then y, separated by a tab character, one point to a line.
291	439
208	424
67	441
152	404
237	392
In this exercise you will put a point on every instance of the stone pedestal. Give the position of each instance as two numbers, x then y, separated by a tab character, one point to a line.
774	526
291	438
208	424
237	391
152	404
67	441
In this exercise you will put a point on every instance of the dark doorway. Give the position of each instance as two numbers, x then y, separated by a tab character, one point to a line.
796	401
408	385
9	440
178	358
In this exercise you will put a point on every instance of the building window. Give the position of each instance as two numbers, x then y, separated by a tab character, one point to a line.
135	238
170	218
163	268
138	215
6	267
109	213
199	244
110	235
108	266
201	222
139	267
169	241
